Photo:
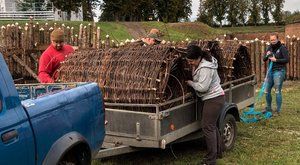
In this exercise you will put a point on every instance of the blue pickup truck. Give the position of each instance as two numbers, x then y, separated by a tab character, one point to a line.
65	127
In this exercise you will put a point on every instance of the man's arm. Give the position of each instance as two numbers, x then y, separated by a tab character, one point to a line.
44	69
267	54
285	54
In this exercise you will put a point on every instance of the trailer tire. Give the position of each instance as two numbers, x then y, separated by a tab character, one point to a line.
229	131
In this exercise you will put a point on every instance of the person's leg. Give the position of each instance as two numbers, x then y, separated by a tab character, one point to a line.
211	112
268	89
278	81
220	144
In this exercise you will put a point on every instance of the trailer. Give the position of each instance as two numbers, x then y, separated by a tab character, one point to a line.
134	127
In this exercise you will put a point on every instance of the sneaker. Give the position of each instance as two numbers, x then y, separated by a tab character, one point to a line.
276	114
267	110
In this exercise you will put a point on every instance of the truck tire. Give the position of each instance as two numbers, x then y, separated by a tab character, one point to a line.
229	131
76	156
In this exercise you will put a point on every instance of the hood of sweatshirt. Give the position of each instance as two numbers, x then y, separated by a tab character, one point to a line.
208	64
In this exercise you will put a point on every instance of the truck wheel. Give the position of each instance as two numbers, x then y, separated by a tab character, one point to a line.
229	131
76	157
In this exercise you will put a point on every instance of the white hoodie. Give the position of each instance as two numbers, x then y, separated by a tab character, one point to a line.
206	80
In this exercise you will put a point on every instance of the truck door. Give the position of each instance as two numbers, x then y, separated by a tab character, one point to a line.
16	138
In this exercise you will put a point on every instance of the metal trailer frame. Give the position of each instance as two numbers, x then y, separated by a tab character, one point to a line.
129	130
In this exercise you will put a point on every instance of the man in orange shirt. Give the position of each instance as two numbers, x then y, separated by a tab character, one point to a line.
52	57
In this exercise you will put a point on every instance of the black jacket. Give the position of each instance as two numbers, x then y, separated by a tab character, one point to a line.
280	53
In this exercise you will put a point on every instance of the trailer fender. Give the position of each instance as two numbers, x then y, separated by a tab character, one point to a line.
229	108
62	146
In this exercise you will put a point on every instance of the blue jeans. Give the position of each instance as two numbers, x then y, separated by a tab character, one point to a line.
275	79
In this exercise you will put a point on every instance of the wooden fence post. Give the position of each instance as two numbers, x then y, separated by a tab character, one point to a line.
298	58
294	56
257	59
72	39
80	41
90	35
99	38
288	65
84	38
107	42
94	44
46	34
263	64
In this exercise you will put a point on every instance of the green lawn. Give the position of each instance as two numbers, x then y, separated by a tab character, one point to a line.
171	31
275	141
119	32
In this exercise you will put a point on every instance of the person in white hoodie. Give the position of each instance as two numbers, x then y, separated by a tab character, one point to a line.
206	83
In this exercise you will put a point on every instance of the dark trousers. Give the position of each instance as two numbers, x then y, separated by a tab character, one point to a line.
211	111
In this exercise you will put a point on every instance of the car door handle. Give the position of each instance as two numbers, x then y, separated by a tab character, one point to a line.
8	136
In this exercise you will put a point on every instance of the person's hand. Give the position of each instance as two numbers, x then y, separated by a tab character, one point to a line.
189	82
273	59
75	48
269	54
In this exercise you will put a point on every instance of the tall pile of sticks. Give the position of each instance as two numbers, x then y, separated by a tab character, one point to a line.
139	74
233	59
132	74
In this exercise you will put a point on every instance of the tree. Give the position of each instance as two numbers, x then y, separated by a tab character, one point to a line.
204	15
173	10
218	9
67	6
290	17
233	12
277	11
111	10
243	6
254	12
87	6
266	8
32	5
141	10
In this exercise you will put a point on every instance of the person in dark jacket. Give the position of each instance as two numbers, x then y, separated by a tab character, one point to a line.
278	54
206	83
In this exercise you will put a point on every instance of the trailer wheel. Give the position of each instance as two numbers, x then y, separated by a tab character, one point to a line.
229	131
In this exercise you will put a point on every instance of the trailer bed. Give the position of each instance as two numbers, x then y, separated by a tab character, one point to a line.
156	128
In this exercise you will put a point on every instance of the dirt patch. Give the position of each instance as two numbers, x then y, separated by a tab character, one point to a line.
253	36
135	29
191	26
293	29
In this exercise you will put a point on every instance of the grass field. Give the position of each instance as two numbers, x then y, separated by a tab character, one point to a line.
118	32
172	31
274	141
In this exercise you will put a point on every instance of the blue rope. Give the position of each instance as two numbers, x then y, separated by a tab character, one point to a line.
262	89
252	116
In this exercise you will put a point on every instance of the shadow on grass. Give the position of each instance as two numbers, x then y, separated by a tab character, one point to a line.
181	153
